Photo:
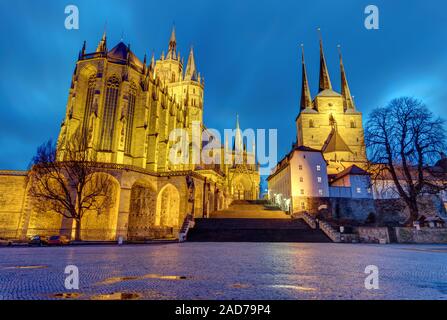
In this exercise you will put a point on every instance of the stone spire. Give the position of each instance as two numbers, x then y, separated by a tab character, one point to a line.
82	52
345	92
102	45
191	72
325	81
306	99
152	65
238	143
172	45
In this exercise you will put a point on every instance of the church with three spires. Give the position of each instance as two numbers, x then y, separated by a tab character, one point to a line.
329	156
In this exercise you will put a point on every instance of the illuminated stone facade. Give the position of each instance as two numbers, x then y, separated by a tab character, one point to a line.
331	122
327	158
128	109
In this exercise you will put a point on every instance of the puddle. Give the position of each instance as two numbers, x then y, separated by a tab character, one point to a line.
240	286
284	286
117	296
147	276
26	267
67	295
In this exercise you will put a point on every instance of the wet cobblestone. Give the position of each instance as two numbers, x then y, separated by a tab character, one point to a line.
227	271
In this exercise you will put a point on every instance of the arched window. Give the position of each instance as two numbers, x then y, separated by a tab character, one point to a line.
130	117
108	119
353	123
88	105
311	123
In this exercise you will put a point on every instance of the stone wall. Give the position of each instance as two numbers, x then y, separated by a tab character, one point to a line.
146	206
395	211
312	205
12	198
336	208
373	234
424	235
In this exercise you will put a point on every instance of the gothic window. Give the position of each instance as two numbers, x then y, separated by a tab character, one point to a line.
130	117
108	119
311	123
88	105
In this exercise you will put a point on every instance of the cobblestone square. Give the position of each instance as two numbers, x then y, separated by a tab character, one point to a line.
226	271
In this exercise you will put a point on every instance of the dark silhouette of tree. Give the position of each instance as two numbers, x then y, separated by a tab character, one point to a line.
67	181
404	140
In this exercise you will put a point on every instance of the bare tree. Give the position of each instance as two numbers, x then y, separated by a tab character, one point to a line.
67	181
404	140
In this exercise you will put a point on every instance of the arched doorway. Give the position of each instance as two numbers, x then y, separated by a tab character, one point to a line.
142	211
168	207
239	192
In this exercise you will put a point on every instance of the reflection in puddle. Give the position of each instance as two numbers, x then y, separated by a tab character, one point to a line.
26	267
286	286
147	276
65	295
117	296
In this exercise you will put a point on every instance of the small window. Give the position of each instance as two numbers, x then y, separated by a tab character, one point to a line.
318	167
302	191
320	192
301	179
353	124
303	205
300	167
319	179
359	190
311	123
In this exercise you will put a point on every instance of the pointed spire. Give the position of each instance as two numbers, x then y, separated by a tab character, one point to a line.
191	72
83	48
325	81
102	45
144	64
152	65
238	143
306	99
345	92
172	45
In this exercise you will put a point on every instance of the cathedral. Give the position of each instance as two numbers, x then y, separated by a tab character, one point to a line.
127	110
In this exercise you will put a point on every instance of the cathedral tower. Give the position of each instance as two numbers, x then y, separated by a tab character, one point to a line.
330	122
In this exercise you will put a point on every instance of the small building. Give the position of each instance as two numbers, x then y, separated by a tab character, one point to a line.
299	180
353	182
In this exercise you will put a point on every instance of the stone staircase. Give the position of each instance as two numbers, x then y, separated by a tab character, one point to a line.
253	222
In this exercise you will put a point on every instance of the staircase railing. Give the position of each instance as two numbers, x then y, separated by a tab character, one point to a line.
309	220
323	225
329	231
187	224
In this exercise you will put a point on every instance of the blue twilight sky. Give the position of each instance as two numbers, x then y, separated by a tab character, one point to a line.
247	50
